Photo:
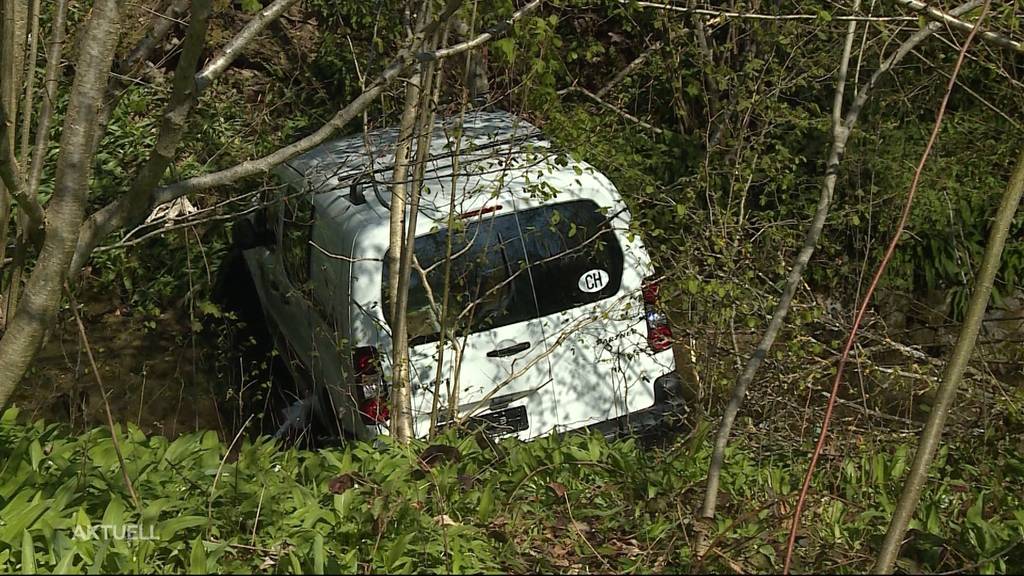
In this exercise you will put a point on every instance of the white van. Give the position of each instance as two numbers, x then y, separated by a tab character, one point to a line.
550	322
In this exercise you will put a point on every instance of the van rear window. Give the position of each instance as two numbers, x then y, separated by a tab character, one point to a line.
511	268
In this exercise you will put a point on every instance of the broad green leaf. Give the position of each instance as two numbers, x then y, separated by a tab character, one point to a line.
169	528
66	563
395	552
197	558
36	454
318	554
28	554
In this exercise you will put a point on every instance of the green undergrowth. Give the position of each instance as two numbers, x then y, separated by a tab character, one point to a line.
575	504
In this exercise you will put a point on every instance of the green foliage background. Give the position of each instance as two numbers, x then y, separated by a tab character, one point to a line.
557	504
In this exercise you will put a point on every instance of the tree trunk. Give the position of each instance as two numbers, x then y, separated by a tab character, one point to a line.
67	206
932	433
402	395
13	22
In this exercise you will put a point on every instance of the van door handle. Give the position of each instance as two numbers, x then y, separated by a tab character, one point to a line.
509	351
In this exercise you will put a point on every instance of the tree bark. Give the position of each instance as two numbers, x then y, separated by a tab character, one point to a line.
399	252
53	56
67	206
424	132
932	433
12	41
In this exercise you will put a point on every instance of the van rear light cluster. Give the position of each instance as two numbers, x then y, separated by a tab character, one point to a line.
659	332
373	405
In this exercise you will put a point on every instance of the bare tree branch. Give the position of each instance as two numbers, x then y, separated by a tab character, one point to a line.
53	56
12	39
11	175
135	204
625	72
219	63
840	133
756	16
159	26
866	300
481	39
952	21
158	29
613	108
30	86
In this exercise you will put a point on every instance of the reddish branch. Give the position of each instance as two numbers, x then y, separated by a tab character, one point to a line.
871	290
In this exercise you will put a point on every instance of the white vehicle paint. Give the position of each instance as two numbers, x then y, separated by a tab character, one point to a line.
543	271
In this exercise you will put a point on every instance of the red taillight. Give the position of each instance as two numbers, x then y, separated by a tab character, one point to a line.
659	332
364	360
373	403
376	410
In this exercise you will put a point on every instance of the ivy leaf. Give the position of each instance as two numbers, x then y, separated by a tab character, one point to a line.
251	6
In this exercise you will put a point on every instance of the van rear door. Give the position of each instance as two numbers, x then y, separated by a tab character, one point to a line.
588	280
498	364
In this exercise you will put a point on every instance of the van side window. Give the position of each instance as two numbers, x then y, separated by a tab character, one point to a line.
296	233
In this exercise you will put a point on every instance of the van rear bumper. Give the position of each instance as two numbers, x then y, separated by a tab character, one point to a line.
664	415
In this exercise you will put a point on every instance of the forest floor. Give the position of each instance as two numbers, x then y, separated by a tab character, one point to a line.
157	378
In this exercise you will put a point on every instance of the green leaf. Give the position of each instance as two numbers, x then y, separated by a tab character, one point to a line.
169	528
197	559
251	6
396	551
486	504
318	554
28	554
974	512
65	565
36	453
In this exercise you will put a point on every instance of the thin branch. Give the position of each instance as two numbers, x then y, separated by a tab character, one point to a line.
866	300
157	29
30	86
219	63
897	56
932	434
1016	124
841	129
10	174
756	16
613	108
106	404
625	72
53	56
952	21
482	39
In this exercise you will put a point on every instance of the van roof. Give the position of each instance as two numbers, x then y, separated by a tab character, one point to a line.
368	158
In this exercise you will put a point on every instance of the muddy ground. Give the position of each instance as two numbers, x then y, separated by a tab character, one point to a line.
158	378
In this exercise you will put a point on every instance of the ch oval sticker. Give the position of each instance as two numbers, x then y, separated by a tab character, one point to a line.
593	281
